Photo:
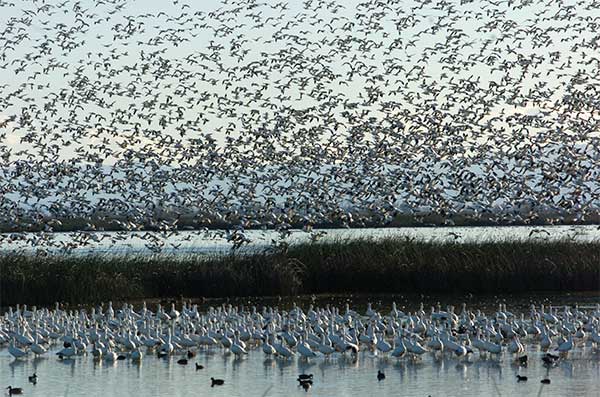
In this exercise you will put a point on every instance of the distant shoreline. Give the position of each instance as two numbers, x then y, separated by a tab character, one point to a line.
187	223
389	265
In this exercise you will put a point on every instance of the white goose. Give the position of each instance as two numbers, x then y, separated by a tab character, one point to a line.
382	345
325	345
400	348
267	348
283	350
516	347
136	355
15	351
566	347
305	351
37	348
415	348
237	348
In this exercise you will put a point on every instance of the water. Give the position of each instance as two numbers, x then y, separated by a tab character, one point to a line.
255	375
215	242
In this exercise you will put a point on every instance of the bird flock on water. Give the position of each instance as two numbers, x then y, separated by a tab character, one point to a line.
130	115
319	333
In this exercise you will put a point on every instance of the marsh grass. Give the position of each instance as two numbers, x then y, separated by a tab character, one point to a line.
392	265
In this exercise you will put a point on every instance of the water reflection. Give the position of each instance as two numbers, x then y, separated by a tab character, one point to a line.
339	375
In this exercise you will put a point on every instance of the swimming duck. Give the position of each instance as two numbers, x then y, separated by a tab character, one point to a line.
216	382
14	390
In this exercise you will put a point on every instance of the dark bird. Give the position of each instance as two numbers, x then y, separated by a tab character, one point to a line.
521	378
121	357
191	354
33	378
380	375
182	361
550	360
199	366
14	390
523	361
216	382
304	377
546	381
306	385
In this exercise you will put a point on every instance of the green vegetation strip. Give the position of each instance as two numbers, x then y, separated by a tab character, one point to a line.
392	265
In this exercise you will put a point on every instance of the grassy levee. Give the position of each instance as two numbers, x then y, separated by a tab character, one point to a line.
392	265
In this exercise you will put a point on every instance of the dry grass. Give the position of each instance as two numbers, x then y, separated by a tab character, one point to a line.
391	265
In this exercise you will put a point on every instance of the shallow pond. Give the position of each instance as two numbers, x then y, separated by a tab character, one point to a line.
339	375
254	375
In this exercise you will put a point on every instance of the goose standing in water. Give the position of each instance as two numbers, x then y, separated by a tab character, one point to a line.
436	344
15	351
400	349
37	348
110	356
237	347
167	347
383	346
136	355
545	341
304	350
283	350
325	346
565	347
516	347
415	348
267	348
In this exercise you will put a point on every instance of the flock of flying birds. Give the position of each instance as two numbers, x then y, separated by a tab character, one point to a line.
134	115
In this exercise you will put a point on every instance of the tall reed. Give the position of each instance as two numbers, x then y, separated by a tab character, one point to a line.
392	265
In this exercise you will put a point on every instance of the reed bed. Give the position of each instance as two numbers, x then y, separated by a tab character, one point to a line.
392	265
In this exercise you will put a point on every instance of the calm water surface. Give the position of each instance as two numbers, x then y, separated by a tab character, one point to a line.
254	375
